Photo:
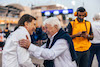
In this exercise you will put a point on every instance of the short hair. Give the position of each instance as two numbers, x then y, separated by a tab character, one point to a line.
52	21
97	16
81	9
24	18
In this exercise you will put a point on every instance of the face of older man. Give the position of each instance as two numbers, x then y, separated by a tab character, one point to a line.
50	30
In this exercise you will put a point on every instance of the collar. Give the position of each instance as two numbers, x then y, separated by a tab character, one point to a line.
53	36
25	31
76	21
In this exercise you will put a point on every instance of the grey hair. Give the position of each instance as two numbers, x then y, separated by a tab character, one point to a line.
97	16
52	21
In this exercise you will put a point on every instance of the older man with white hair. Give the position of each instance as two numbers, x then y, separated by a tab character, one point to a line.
58	51
95	47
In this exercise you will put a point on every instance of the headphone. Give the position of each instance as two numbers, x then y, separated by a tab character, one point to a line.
80	9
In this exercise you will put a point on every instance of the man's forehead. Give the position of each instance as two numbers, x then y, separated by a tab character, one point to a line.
47	25
81	12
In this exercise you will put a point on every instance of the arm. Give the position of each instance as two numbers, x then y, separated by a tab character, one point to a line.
76	35
32	54
48	54
44	45
90	36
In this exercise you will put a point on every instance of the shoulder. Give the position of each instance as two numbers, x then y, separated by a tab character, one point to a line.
65	36
72	21
87	21
19	34
61	41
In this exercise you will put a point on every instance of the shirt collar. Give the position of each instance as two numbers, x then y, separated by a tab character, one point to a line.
25	31
53	36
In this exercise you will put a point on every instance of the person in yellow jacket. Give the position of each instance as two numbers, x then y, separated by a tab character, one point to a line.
81	32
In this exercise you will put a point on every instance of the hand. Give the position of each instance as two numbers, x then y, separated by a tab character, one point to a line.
25	42
79	34
85	35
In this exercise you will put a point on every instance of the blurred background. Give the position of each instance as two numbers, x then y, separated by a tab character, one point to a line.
12	10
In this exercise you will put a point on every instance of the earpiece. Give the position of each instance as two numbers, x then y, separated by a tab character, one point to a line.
75	14
81	9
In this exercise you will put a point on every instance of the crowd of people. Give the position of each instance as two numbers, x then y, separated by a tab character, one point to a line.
73	46
3	36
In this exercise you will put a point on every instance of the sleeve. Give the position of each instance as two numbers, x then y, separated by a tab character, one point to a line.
44	45
91	32
69	29
49	54
23	56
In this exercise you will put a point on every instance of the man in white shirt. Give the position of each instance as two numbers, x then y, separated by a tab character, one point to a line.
95	47
58	51
14	55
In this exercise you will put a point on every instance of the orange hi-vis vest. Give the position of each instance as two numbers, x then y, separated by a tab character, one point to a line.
1	37
80	44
